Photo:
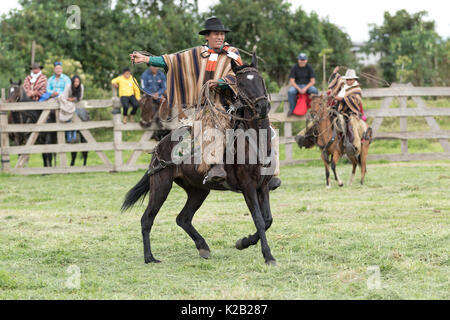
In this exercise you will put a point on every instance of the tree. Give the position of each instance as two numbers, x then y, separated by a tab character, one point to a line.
408	45
279	34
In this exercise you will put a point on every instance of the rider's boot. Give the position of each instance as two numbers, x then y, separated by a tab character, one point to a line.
300	139
301	136
274	183
216	174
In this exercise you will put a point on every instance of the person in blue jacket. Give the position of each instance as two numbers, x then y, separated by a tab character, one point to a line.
56	83
153	81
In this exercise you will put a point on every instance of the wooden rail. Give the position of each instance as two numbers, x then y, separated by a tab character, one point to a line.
396	91
145	144
61	147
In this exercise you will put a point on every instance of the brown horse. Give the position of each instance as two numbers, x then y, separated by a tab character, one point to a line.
329	136
154	111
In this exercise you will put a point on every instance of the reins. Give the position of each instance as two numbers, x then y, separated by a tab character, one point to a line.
316	120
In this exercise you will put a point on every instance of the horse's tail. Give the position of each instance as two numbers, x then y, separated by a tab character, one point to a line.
139	191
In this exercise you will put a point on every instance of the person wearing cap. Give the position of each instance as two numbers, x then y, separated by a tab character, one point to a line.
35	84
348	95
302	80
153	82
129	93
56	83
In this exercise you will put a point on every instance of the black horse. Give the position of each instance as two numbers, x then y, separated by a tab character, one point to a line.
252	113
16	93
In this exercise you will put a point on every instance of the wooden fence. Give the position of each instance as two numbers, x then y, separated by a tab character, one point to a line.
396	91
145	144
61	148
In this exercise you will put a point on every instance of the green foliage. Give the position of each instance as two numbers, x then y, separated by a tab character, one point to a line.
279	35
107	35
410	48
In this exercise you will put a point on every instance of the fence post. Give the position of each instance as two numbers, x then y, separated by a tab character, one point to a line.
3	95
4	142
287	133
61	140
118	159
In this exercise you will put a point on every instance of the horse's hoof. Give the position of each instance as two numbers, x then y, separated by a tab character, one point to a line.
205	254
152	260
239	245
329	186
341	184
271	263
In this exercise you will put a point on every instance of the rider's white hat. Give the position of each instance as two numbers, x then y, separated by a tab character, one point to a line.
350	74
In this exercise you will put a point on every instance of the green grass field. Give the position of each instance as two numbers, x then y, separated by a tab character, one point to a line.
328	243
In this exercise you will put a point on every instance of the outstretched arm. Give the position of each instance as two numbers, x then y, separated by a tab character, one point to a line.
156	61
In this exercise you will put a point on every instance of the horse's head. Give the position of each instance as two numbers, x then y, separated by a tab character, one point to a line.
14	91
251	88
318	105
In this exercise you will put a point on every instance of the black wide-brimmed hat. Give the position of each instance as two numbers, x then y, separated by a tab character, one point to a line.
213	24
36	66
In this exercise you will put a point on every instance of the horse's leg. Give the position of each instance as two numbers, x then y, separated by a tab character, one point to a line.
85	156
184	219
327	170
251	198
160	185
74	156
354	164
84	153
263	198
363	159
334	160
47	157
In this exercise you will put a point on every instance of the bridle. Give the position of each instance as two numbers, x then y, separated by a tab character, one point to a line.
241	95
316	117
15	86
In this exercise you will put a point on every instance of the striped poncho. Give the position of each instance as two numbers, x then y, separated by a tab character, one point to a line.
36	89
189	70
353	96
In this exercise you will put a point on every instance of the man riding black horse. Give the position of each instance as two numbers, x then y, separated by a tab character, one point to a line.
188	72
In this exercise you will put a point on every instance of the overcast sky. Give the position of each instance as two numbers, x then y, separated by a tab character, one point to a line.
353	16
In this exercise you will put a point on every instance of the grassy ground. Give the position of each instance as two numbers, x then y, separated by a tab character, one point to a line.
326	241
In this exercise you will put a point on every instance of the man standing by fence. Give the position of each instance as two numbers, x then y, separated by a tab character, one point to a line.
57	82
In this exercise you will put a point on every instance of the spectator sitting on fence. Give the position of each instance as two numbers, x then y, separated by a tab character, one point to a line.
302	79
154	82
56	83
35	84
129	93
72	93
